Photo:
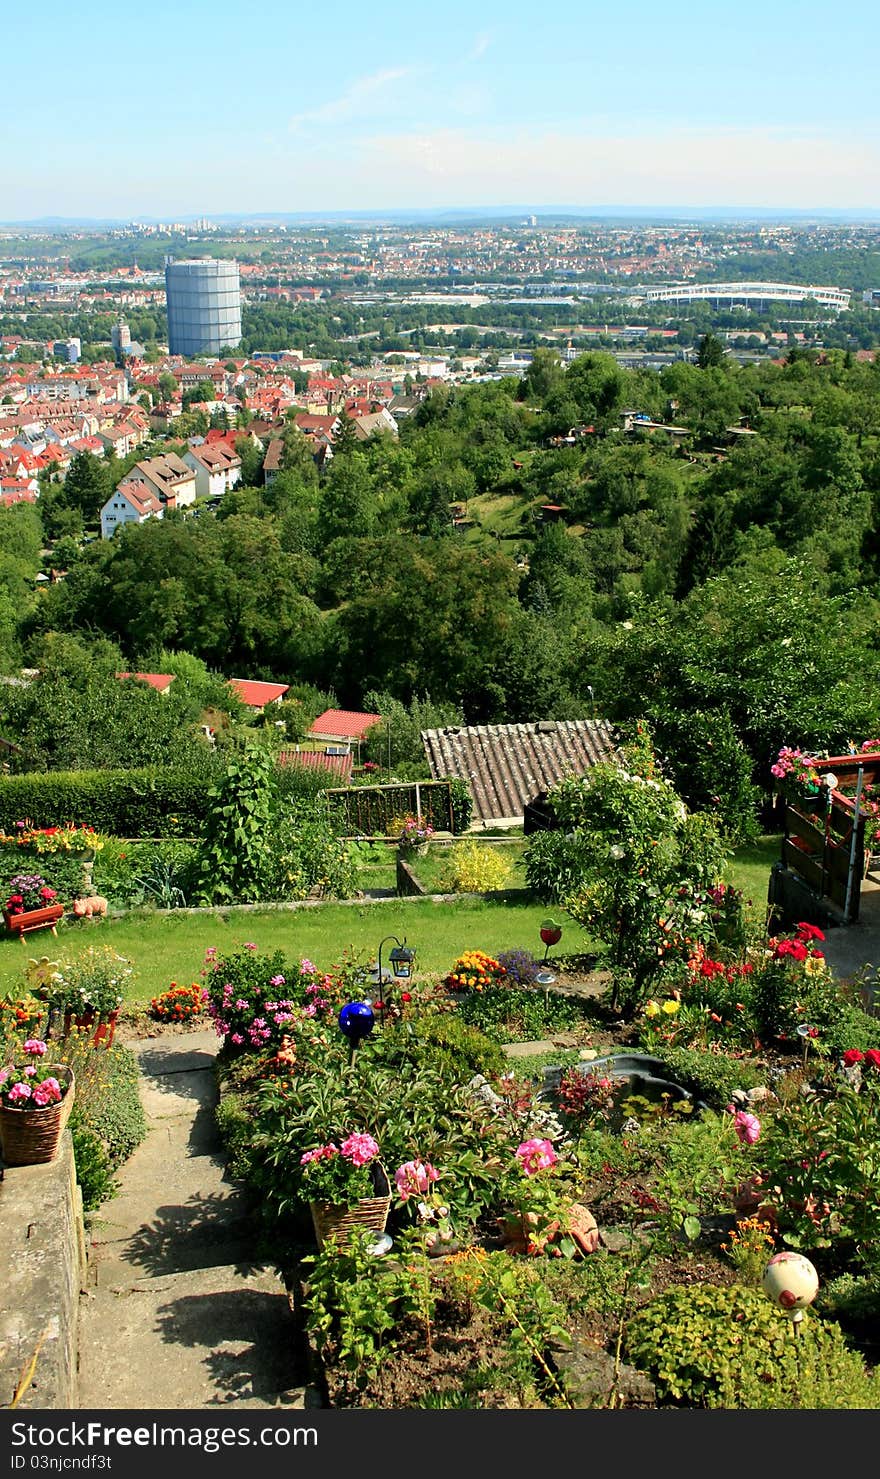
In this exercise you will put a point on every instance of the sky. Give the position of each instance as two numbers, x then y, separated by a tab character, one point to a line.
203	107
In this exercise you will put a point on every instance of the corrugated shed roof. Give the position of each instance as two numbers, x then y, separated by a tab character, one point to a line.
507	765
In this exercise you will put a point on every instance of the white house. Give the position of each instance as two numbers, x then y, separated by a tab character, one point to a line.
216	468
132	503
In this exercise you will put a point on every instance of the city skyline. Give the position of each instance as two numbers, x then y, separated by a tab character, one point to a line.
397	114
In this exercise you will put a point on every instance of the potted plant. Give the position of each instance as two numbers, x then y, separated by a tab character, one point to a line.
414	836
35	1102
31	904
90	991
346	1187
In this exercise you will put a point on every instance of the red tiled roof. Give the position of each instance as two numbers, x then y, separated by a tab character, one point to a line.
159	681
317	760
254	694
344	722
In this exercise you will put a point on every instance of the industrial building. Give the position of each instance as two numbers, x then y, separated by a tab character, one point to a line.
204	305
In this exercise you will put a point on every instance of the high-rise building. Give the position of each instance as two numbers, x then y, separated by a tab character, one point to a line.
120	337
204	305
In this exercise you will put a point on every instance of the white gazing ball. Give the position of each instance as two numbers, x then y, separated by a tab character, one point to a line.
791	1281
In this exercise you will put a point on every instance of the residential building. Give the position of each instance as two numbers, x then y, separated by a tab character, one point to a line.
216	469
133	502
169	477
256	695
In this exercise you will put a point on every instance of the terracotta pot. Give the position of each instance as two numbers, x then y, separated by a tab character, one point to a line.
105	1030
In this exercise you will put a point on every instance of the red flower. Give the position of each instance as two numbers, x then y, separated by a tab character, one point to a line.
809	932
406	996
853	1055
873	1057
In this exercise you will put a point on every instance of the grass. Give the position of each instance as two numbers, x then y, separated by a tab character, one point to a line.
171	947
749	868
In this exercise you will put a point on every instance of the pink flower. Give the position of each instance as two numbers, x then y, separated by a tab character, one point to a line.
359	1149
29	1070
237	1037
536	1155
19	1092
747	1126
250	945
211	952
414	1177
35	1047
52	1086
276	981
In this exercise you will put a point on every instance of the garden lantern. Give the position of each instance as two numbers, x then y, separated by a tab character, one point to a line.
401	956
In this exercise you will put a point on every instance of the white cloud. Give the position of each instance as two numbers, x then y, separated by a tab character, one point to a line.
480	47
352	102
663	166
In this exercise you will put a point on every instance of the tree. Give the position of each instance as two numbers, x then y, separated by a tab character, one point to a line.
345	438
87	486
710	352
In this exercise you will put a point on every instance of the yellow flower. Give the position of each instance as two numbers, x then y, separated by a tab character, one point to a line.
670	1008
652	1008
814	966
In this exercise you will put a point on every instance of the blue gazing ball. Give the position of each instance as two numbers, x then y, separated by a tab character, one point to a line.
356	1021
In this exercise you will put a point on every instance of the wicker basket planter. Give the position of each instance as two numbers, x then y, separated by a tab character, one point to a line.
30	1137
370	1213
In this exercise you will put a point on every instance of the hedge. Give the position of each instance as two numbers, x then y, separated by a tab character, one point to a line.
126	803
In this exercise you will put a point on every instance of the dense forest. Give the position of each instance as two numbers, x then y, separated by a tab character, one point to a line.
725	586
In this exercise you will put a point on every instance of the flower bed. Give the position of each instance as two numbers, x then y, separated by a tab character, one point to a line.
484	1171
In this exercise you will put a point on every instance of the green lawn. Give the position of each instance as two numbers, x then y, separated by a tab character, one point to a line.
171	947
750	867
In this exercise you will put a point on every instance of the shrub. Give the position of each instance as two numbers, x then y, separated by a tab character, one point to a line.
473	867
305	852
93	1170
710	1076
510	1014
455	1048
252	998
107	1120
709	1346
822	1172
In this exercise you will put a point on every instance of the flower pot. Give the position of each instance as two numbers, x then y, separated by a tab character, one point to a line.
370	1213
33	919
105	1030
30	1137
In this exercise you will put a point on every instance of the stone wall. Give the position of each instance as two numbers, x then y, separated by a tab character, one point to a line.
42	1269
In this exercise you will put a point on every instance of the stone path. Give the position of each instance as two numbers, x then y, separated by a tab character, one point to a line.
176	1314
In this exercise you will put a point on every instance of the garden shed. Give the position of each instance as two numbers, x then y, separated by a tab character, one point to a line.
508	766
